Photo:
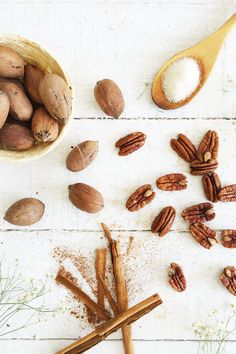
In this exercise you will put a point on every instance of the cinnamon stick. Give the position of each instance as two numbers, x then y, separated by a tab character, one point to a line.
82	296
100	265
121	289
109	297
105	329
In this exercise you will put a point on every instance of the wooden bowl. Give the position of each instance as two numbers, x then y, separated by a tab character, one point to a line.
32	53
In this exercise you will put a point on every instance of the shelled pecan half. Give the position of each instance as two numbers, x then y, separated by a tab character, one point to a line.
208	148
228	238
176	277
199	168
172	182
199	213
130	143
184	148
141	197
163	221
203	234
228	193
228	279
212	186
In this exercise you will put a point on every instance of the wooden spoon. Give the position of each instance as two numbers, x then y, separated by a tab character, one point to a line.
205	53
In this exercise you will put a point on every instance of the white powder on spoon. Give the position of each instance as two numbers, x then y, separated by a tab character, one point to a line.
180	79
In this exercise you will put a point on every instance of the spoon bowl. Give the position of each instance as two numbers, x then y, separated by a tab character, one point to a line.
205	54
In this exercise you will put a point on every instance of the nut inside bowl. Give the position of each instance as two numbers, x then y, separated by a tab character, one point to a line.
33	54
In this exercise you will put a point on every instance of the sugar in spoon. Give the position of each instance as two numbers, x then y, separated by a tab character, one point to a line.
205	54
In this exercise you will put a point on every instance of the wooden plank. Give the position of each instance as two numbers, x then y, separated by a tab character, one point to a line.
146	272
106	347
117	177
130	48
127	41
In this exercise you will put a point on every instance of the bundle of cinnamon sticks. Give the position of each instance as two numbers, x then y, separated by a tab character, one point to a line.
123	316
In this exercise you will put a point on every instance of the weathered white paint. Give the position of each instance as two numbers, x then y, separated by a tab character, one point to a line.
148	268
127	41
117	177
114	347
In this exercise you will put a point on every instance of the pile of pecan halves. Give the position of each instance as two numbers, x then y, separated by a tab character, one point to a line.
203	162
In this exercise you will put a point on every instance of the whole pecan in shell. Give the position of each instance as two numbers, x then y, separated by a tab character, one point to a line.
212	186
176	277
184	148
228	279
86	198
172	182
208	148
82	155
163	221
130	143
141	197
228	193
199	168
109	97
4	107
199	213
15	137
228	238
25	212
203	234
44	127
32	78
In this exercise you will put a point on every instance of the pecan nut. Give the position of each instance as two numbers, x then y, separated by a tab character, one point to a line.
208	148
228	193
176	277
199	168
130	143
163	221
184	148
212	186
228	238
141	197
228	279
203	234
172	182
199	213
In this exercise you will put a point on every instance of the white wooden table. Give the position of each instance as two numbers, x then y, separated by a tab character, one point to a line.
126	41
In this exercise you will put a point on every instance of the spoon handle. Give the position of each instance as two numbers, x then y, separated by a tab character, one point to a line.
222	32
213	43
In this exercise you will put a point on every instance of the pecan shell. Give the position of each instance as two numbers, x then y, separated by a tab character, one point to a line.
228	238
130	143
212	186
141	197
208	148
184	148
172	182
176	277
199	168
86	198
163	221
199	213
228	193
203	234
228	279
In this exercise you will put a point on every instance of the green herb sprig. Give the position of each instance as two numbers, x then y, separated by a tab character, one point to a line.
214	336
18	297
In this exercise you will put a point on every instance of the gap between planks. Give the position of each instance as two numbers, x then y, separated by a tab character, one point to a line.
114	2
93	231
157	118
115	340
